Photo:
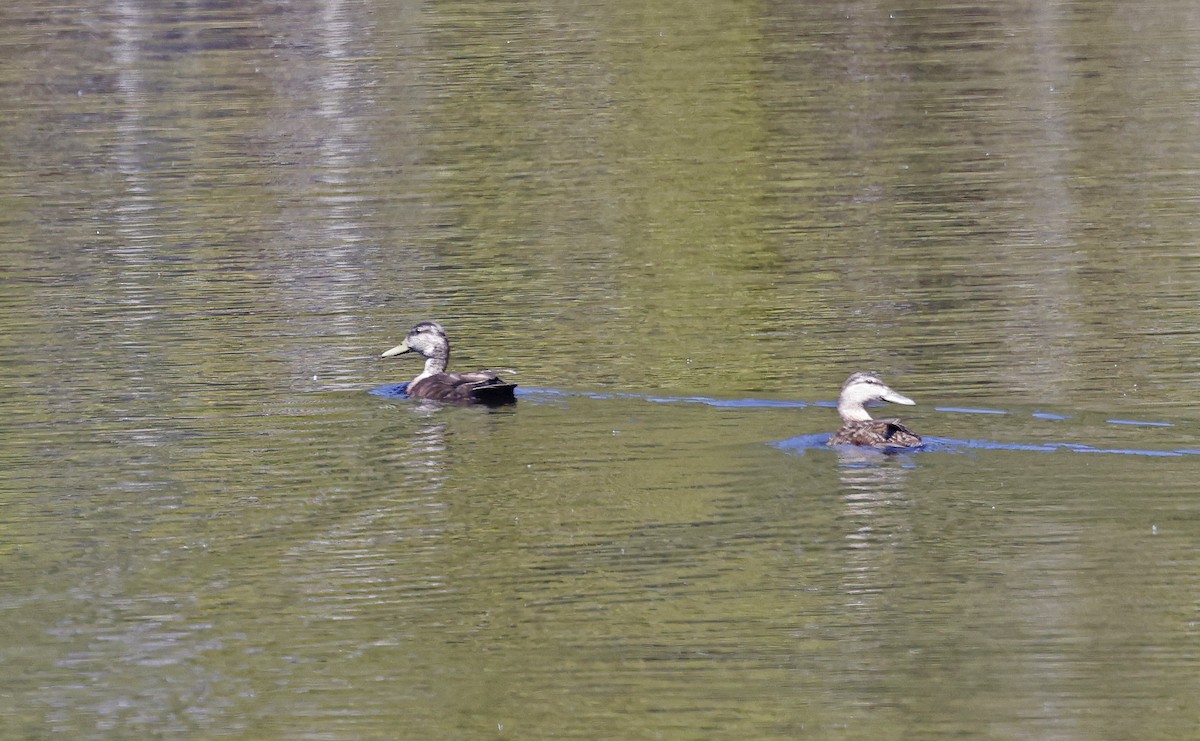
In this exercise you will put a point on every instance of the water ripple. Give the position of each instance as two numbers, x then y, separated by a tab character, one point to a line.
818	441
802	443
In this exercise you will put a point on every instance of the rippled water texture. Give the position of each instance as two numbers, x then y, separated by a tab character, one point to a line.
683	225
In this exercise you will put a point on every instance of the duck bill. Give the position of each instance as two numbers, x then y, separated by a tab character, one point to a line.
397	350
895	398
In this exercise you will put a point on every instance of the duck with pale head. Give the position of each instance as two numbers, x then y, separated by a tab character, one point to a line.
429	340
858	428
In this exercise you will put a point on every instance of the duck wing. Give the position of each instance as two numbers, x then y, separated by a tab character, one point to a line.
879	433
481	387
896	433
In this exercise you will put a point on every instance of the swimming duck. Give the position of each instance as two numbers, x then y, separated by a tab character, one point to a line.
481	387
857	426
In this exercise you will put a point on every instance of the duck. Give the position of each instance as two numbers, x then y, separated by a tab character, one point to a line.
429	340
857	426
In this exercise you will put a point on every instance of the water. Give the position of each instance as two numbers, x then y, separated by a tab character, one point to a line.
683	225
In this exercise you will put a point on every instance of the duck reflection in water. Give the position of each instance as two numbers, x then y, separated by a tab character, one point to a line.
858	428
429	340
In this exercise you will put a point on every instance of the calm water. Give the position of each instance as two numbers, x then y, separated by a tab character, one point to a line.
683	224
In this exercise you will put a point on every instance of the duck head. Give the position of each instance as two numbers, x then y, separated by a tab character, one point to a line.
861	389
427	339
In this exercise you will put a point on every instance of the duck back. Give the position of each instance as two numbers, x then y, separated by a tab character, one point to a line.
877	433
468	388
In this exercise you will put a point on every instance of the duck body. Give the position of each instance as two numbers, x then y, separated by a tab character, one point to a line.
876	433
480	388
857	426
429	340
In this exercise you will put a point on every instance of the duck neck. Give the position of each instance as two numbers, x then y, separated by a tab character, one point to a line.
434	365
852	410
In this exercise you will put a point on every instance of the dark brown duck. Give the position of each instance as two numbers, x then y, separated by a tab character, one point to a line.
857	426
429	340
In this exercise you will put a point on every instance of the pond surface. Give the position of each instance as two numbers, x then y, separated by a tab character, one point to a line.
683	225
